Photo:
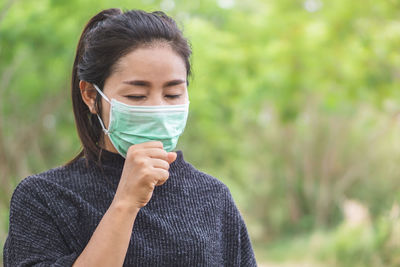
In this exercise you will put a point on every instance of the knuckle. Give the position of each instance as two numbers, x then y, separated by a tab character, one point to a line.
132	149
159	143
166	174
132	153
140	162
163	164
147	173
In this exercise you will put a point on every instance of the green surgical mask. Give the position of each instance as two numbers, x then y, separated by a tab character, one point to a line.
129	125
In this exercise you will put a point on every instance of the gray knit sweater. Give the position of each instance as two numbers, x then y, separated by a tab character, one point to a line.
191	220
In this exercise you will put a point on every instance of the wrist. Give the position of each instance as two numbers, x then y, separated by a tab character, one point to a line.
124	207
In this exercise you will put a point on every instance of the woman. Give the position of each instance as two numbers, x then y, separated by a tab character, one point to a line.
127	199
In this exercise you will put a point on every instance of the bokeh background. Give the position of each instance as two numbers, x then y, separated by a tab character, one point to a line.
295	105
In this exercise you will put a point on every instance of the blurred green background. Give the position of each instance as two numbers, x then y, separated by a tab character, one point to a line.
295	105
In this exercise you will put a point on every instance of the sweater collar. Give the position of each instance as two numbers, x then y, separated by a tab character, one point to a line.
115	160
111	159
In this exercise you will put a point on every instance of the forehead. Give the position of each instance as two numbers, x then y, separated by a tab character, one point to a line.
152	61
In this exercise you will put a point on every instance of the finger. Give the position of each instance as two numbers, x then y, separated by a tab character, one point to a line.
156	153
161	176
159	163
161	182
136	153
171	157
150	144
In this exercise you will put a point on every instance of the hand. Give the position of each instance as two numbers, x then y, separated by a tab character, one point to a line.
146	166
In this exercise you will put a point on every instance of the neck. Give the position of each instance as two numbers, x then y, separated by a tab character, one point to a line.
105	143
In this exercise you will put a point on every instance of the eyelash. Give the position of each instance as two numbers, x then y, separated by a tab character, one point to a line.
136	97
173	96
140	97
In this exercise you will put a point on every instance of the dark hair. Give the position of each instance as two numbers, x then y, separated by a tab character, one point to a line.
107	37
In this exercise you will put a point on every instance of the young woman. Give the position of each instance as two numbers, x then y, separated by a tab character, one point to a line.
127	199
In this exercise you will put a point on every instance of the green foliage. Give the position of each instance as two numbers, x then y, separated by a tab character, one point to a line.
363	245
350	244
293	105
313	164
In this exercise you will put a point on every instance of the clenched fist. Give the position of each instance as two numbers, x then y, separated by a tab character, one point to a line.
146	166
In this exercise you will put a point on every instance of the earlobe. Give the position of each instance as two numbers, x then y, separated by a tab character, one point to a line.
88	94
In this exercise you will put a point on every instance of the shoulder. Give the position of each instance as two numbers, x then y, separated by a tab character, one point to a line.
210	181
199	182
46	182
191	176
213	192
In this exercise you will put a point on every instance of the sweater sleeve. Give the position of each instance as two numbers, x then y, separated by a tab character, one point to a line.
33	238
239	244
247	257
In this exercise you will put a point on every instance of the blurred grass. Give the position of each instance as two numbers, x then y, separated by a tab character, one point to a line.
347	245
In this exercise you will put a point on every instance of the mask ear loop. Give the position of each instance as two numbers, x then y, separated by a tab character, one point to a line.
108	100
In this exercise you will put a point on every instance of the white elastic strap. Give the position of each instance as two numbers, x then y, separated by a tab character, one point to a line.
102	125
108	100
101	93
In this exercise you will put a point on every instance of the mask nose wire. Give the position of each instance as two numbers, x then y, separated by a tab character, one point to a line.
108	100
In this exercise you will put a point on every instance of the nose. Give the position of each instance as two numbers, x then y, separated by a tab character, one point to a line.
156	99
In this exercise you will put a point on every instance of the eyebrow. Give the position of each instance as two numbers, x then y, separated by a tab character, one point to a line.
148	84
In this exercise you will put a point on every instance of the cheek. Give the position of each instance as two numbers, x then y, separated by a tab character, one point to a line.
105	112
186	96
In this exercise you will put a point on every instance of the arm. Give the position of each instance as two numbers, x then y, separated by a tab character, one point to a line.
33	237
239	249
109	242
146	166
247	257
35	240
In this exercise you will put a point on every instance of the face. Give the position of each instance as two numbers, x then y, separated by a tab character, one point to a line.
148	76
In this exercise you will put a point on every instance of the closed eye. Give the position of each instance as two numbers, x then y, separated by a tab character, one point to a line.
136	97
173	96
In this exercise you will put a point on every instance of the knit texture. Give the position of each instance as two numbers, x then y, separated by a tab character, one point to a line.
191	220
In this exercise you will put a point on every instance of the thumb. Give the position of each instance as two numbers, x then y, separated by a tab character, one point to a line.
171	157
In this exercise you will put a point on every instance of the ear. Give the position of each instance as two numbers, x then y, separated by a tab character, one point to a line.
88	93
